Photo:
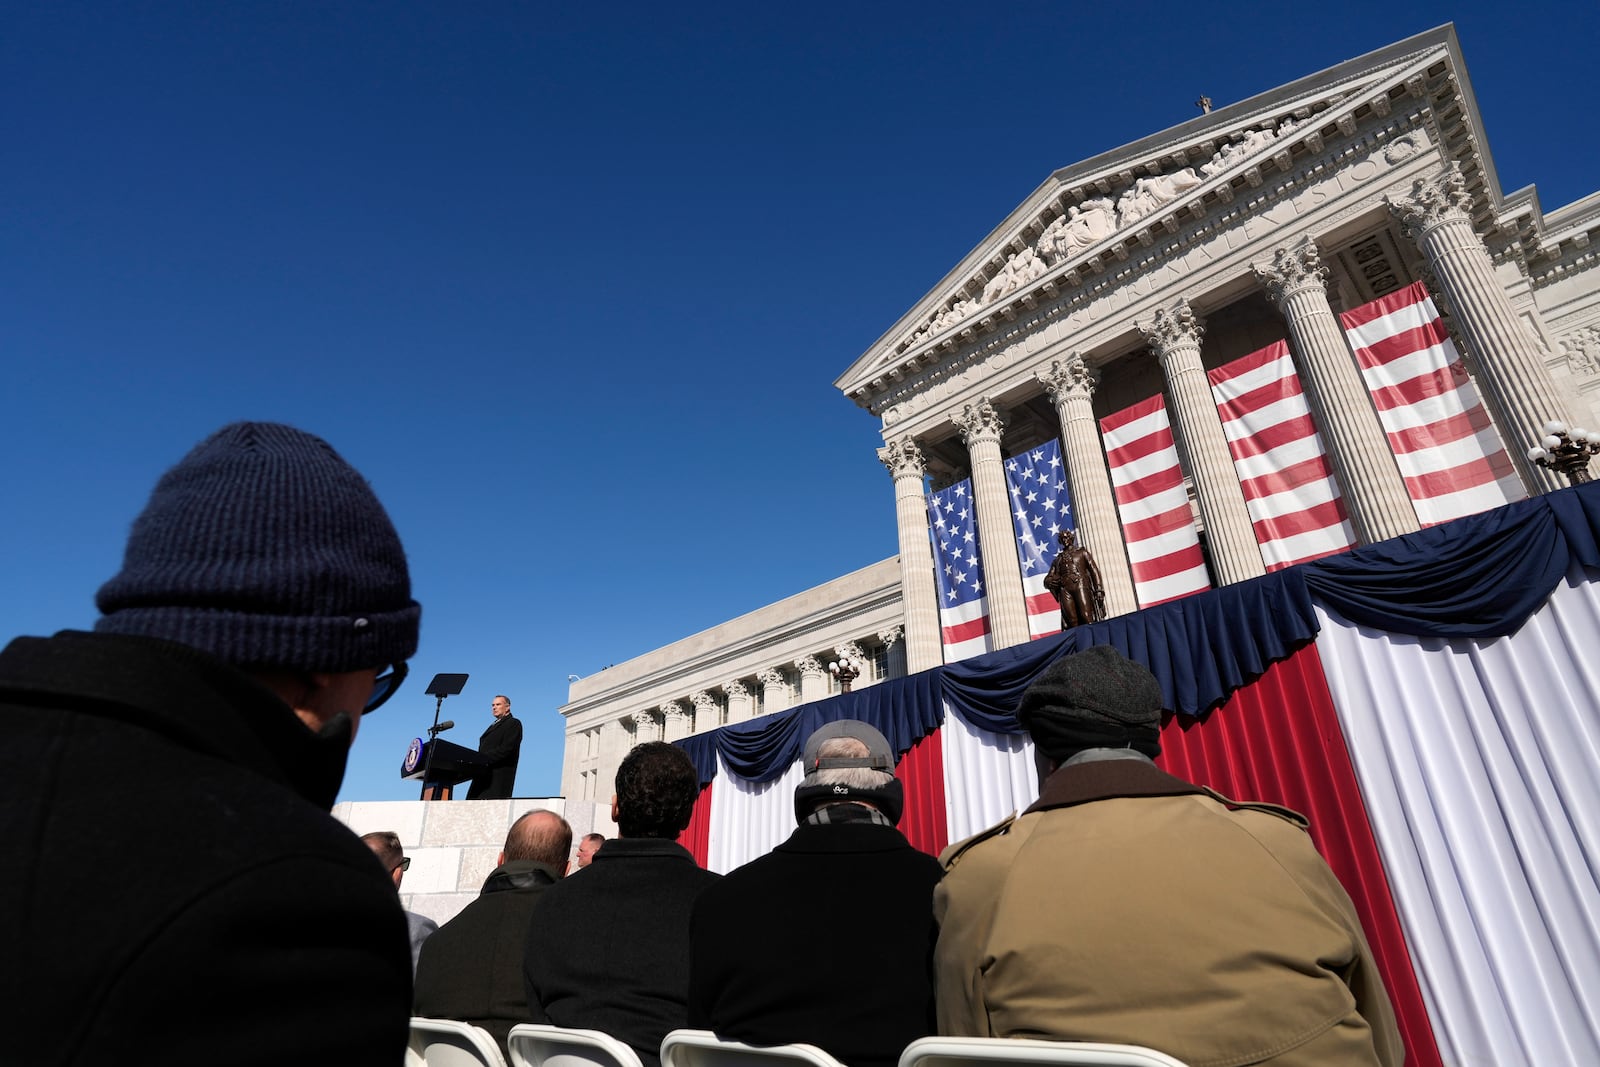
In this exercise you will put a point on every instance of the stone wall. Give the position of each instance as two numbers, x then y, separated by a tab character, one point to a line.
453	844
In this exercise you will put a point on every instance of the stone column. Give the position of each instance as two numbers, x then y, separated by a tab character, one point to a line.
892	639
1175	336
572	764
647	724
774	690
917	588
1515	382
1374	493
614	744
676	721
1070	384
706	712
813	679
980	428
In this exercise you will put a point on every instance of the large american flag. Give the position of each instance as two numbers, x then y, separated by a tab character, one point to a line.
958	568
1295	505
1157	524
1040	509
1449	454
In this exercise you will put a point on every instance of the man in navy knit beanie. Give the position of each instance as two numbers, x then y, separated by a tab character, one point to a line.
192	746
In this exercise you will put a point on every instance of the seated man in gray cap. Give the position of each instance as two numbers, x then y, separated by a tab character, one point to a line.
827	939
1131	906
175	889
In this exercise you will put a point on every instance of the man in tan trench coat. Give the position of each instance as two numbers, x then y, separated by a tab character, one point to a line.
1131	906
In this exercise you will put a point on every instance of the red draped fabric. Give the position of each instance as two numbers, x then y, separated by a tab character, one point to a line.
921	773
696	837
1278	740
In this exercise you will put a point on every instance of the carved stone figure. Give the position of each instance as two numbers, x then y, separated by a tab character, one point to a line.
1149	194
1080	227
1022	268
1074	581
1249	143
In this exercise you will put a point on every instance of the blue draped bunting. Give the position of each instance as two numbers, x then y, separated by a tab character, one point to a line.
1481	576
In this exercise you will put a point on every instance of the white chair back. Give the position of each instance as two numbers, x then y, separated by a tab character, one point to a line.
447	1043
963	1051
702	1048
538	1045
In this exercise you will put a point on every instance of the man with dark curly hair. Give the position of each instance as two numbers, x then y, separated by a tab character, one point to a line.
610	951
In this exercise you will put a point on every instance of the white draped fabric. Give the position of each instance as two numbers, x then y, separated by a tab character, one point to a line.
1479	761
986	777
749	819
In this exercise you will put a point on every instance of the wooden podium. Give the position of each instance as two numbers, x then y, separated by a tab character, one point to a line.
452	765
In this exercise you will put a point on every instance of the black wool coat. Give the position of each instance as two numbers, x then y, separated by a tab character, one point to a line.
826	940
608	947
174	884
471	967
501	745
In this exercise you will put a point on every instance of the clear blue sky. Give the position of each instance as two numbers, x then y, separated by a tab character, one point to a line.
570	283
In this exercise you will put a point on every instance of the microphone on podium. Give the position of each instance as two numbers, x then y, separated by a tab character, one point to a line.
448	724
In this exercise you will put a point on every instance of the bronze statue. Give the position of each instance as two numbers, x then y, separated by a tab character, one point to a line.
1074	581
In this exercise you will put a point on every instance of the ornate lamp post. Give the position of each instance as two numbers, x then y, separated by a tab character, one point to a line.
1566	451
846	670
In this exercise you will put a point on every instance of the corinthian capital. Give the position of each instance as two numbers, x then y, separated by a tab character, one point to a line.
979	421
903	458
772	678
1068	377
1292	270
1172	328
736	690
704	702
1433	200
895	633
809	665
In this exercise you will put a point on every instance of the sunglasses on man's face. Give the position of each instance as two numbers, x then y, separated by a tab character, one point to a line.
404	864
384	685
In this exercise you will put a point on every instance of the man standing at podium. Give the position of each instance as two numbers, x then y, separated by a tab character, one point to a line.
500	745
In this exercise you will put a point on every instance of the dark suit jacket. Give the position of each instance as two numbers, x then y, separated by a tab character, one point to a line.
173	877
471	968
608	948
827	940
501	745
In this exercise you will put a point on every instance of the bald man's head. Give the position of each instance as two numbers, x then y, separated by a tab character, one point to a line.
541	836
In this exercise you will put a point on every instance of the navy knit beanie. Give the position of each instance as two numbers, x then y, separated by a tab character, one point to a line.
266	549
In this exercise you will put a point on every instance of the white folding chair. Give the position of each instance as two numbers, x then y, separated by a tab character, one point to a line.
962	1051
538	1045
447	1043
702	1048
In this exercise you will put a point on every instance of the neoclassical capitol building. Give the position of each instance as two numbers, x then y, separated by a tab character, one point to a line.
1306	321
